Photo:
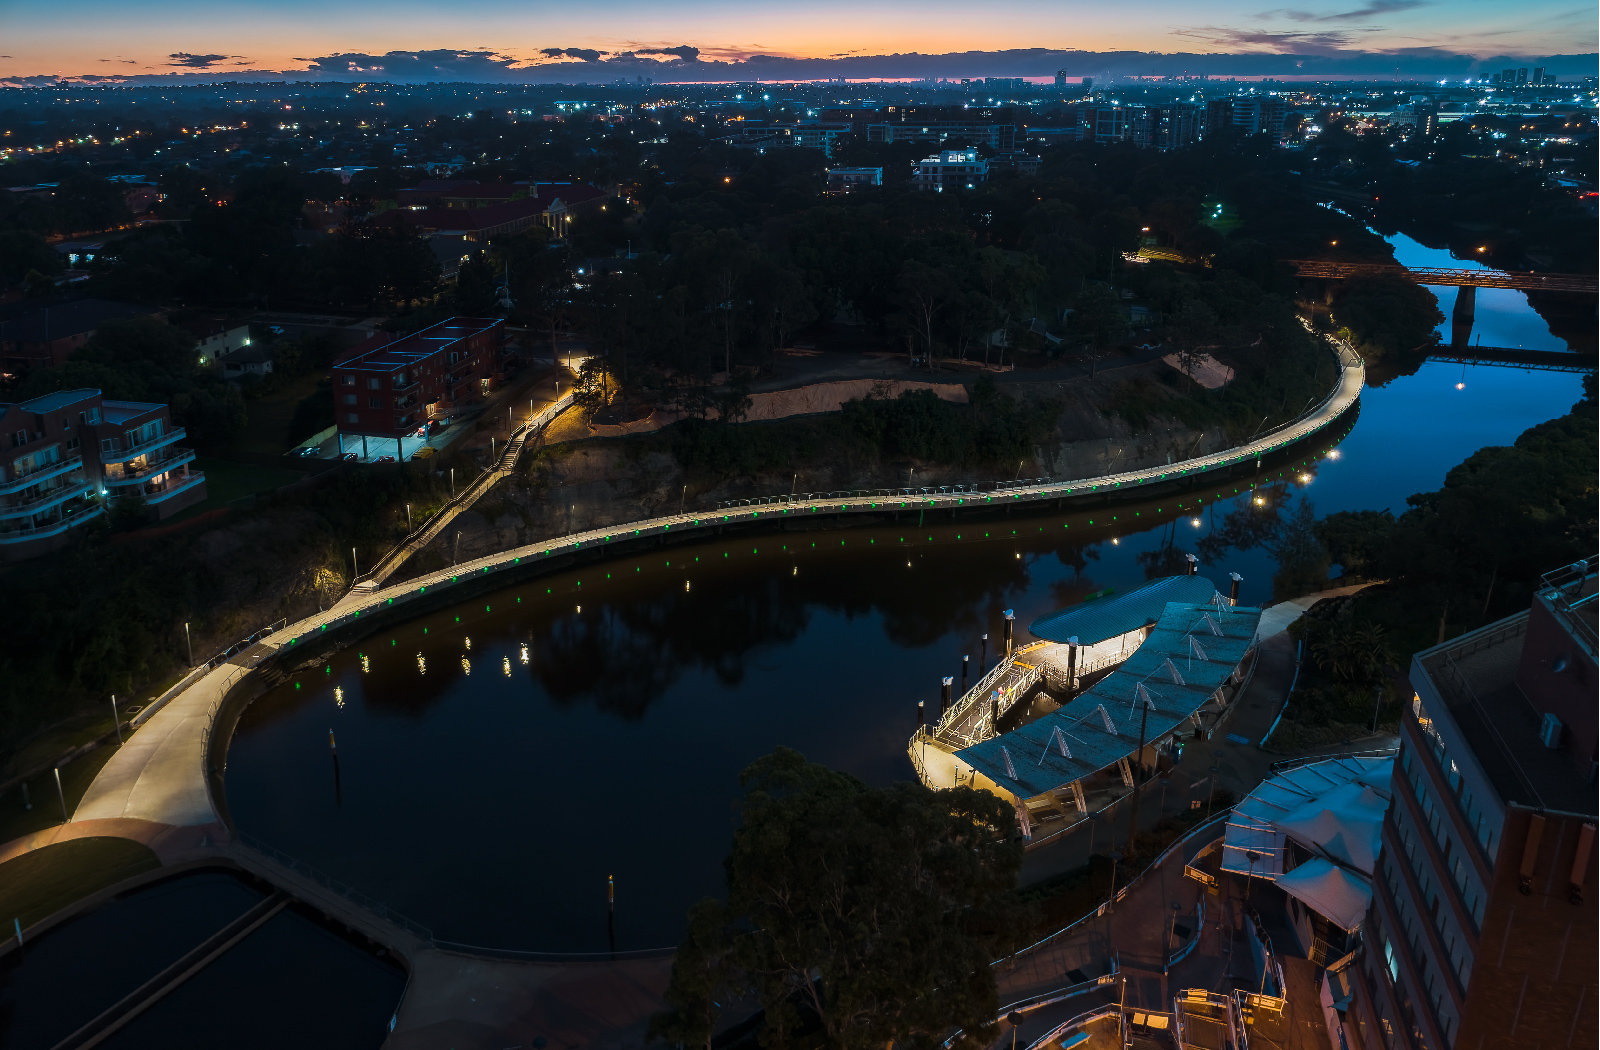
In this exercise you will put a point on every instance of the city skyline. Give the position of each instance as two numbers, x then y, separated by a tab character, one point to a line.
710	40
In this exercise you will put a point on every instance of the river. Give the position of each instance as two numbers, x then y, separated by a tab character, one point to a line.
499	760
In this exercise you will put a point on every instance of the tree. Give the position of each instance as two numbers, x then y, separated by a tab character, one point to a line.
1098	317
867	916
477	288
925	292
1386	315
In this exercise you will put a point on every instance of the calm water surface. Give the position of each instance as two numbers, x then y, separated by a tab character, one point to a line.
499	760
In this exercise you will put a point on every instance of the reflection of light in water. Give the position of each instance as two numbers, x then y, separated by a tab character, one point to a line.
469	644
366	664
580	608
686	585
796	572
505	665
524	652
1333	453
338	697
1115	542
466	666
422	665
1305	479
1195	522
1461	386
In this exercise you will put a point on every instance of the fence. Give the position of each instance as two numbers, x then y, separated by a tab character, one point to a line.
1181	841
1083	1020
328	882
1199	925
466	497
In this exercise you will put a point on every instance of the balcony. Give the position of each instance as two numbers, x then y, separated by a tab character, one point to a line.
172	486
403	403
125	454
409	384
46	500
175	458
42	472
54	528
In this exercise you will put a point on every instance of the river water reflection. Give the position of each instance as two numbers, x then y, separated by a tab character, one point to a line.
499	760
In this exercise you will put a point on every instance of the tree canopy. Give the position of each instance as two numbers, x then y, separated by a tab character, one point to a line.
858	916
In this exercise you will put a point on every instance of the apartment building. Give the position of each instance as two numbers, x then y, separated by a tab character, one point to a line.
387	389
63	456
1482	932
847	180
950	170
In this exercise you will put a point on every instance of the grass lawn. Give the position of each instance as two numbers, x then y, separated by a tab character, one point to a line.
36	885
228	480
266	430
17	820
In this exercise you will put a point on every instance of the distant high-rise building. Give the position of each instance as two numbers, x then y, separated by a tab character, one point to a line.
1061	80
1538	75
1482	928
1522	75
1087	84
1508	76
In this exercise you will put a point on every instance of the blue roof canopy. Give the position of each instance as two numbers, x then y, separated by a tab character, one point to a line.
1101	726
1104	618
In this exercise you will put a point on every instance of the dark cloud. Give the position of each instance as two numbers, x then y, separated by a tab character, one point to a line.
683	52
483	66
587	54
198	61
1371	10
1328	43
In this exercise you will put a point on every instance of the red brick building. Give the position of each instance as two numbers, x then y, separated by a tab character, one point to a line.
63	456
391	386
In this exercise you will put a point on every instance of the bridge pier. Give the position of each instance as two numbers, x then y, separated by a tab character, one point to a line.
1461	317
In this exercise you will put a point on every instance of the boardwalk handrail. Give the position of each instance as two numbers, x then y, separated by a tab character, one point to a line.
425	532
1182	840
1332	408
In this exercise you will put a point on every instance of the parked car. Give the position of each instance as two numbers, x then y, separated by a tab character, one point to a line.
384	459
350	457
307	453
424	452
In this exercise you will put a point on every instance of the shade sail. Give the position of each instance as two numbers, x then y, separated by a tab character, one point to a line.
1192	651
1329	890
1334	806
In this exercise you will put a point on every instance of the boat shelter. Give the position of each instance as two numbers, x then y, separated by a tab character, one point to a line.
1192	652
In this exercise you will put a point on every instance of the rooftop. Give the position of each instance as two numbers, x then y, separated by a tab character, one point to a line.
59	400
37	323
122	411
389	352
1194	648
1475	676
1107	617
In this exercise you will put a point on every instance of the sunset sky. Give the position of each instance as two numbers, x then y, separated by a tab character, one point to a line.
109	37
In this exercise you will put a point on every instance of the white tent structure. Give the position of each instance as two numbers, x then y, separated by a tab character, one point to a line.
1333	811
1329	890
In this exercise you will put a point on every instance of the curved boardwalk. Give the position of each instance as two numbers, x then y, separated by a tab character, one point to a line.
159	780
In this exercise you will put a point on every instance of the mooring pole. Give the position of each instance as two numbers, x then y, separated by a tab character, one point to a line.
965	662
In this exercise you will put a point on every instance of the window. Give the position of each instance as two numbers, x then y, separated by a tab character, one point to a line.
66	422
19	439
92	416
349	399
72	444
108	444
349	380
352	418
372	384
1388	958
374	402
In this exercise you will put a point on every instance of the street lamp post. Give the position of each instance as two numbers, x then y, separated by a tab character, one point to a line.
188	644
1111	902
1211	789
355	569
1377	704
